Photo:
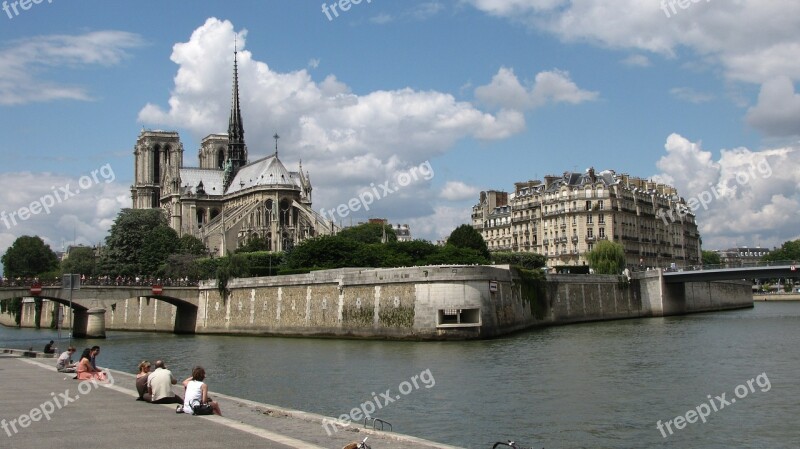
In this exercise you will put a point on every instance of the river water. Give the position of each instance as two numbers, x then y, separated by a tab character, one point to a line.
597	385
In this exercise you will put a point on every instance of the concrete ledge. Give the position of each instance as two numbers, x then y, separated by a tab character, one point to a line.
31	354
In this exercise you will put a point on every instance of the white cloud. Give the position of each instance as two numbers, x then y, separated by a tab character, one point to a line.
690	95
721	31
458	191
778	110
346	141
84	215
440	223
754	195
24	64
716	36
506	91
637	61
313	63
427	10
381	19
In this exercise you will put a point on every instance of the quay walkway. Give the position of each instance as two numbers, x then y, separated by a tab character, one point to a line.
51	409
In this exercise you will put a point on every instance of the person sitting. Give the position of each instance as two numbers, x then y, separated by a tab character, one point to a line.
160	383
49	349
141	381
94	353
85	369
196	400
64	363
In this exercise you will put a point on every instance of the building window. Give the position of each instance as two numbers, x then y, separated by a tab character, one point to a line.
588	205
601	232
601	218
602	204
589	219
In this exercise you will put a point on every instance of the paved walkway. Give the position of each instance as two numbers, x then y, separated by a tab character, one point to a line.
45	409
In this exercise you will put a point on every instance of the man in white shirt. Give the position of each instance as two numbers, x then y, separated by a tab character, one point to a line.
160	383
64	363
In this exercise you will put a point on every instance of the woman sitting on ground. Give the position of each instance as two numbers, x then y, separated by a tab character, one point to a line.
196	400
141	381
85	369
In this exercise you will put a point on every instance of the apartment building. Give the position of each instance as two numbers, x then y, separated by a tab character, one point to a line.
742	256
563	217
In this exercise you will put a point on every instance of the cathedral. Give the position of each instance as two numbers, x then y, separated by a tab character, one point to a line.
227	200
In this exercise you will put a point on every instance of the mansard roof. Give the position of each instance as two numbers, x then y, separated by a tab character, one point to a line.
268	171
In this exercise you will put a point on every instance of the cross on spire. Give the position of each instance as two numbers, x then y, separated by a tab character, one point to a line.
276	137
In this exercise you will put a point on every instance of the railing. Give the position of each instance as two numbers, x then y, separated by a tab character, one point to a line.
120	281
742	264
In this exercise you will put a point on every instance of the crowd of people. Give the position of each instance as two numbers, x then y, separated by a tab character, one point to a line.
86	367
154	386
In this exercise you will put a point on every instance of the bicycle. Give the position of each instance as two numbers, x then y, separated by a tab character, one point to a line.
510	444
362	445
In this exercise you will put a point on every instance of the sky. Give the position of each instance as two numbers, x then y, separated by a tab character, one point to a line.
423	103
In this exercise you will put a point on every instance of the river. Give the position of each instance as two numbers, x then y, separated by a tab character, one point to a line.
596	385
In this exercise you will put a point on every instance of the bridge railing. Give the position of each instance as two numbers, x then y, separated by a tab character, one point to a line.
106	281
741	264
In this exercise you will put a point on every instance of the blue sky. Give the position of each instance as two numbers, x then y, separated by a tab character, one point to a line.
487	92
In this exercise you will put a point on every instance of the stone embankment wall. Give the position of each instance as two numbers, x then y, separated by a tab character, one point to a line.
439	302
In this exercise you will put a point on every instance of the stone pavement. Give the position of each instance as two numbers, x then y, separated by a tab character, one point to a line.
50	409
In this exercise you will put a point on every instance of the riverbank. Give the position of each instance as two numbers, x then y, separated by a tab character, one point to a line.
777	297
411	303
32	416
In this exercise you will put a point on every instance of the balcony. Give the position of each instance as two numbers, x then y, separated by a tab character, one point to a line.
574	239
590	238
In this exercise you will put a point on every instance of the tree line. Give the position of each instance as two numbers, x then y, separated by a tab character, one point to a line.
141	243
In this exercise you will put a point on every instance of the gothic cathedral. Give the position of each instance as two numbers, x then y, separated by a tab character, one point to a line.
226	200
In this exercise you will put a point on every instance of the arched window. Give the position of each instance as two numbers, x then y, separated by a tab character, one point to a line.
156	164
220	158
201	217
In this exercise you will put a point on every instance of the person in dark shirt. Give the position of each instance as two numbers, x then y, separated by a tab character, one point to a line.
49	349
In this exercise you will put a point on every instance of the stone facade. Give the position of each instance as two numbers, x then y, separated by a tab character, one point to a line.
563	217
420	303
226	200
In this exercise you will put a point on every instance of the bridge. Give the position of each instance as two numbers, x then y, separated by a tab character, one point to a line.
90	303
760	270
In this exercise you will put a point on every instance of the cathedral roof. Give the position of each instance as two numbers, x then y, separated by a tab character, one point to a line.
269	171
211	179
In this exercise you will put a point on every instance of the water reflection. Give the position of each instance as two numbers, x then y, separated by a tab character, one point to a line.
592	385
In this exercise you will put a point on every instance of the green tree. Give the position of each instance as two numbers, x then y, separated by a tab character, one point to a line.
788	251
253	245
81	260
525	260
369	233
189	244
28	257
711	258
323	252
607	257
454	255
138	243
465	236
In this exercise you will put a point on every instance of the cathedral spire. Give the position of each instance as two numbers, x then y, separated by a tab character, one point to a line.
237	150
